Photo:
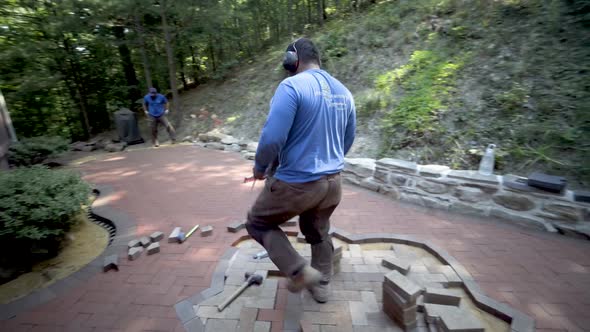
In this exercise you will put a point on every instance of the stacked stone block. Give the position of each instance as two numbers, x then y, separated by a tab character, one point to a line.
399	299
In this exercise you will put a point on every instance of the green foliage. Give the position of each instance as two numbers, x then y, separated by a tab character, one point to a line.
37	208
426	82
31	151
512	100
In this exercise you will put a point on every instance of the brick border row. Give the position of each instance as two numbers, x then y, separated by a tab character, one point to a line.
519	322
126	228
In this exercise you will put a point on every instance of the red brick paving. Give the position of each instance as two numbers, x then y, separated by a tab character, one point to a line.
544	275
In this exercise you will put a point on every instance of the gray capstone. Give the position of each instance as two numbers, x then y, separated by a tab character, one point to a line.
145	241
363	167
111	263
156	236
153	248
133	244
207	230
134	253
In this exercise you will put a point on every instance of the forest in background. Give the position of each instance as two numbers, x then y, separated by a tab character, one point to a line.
67	65
435	81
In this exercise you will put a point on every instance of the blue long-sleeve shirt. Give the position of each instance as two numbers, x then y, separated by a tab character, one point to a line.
310	128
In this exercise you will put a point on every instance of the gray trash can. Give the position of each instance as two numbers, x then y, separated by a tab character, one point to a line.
127	127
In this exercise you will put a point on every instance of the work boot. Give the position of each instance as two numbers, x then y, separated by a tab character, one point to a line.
320	292
307	277
321	259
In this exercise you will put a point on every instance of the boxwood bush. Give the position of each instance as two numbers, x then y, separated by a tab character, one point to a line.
37	208
31	151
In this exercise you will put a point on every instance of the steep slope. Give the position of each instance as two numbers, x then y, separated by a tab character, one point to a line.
436	81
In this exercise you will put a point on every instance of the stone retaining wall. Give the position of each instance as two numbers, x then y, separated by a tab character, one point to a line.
460	191
469	192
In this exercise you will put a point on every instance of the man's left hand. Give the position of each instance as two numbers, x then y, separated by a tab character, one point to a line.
258	175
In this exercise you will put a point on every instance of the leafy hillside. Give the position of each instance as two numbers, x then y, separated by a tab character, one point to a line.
436	81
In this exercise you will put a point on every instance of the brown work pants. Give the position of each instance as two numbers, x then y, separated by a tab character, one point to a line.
314	203
154	122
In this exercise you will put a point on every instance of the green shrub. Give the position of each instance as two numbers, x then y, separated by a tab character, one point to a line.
37	208
31	151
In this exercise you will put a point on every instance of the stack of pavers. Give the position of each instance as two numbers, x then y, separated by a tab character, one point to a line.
136	247
399	299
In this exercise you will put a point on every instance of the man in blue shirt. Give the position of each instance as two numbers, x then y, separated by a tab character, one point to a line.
155	106
309	130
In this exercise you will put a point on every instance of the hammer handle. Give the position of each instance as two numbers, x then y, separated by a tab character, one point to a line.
233	296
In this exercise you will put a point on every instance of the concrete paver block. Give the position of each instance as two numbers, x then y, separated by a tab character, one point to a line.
355	250
405	287
156	236
401	265
452	319
134	253
236	226
441	296
207	230
145	241
153	248
133	244
111	263
397	308
173	237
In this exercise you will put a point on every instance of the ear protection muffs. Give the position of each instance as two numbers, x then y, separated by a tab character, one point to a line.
291	60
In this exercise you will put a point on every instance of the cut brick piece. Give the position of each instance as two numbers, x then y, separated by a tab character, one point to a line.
405	287
134	253
207	230
145	241
441	296
133	244
452	319
236	227
111	263
156	236
153	248
400	265
174	236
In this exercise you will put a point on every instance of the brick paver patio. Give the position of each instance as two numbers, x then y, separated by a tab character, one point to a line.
544	275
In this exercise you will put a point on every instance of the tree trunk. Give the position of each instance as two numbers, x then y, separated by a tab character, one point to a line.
77	88
132	83
320	12
182	73
212	53
144	59
308	11
195	66
171	64
290	17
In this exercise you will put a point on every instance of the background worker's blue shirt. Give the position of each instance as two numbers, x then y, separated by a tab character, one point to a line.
156	106
310	127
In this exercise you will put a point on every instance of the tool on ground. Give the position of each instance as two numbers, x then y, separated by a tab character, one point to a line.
250	179
261	255
188	234
252	279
